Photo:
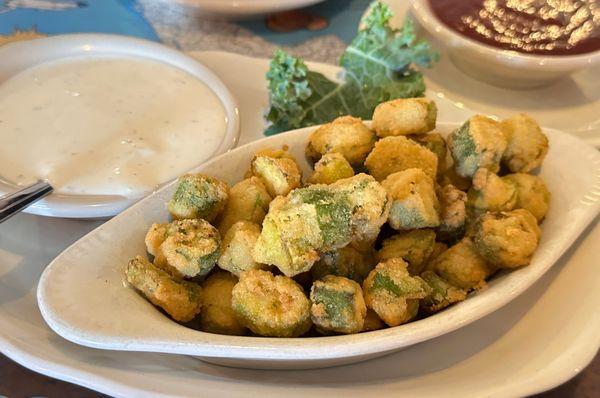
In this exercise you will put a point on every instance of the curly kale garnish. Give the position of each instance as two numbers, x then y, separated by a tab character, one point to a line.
378	66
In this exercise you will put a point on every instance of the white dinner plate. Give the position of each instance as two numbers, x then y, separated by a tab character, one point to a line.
71	289
543	338
25	54
245	8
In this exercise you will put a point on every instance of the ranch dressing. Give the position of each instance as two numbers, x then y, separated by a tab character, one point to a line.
117	126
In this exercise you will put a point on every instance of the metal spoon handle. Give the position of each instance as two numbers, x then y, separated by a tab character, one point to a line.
13	203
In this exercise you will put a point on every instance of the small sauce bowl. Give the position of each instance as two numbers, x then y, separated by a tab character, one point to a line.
504	68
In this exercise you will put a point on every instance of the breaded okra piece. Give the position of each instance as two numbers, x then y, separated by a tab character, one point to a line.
190	247
414	203
532	194
507	239
393	154
478	143
404	116
330	168
527	144
198	196
248	201
462	266
453	210
490	193
237	246
392	293
279	175
346	261
438	249
345	135
308	221
451	177
436	144
442	293
369	204
372	321
216	315
271	305
338	305
414	247
180	299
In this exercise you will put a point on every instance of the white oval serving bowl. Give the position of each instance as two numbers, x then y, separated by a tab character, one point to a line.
496	66
83	295
22	55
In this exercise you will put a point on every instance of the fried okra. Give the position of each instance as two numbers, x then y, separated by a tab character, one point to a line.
404	116
478	143
451	177
414	203
453	210
345	135
309	220
270	305
369	205
330	168
414	247
438	249
338	305
527	144
507	239
248	201
490	193
462	266
180	299
442	293
436	144
237	246
393	154
190	247
279	174
198	196
532	194
392	293
346	261
216	315
372	321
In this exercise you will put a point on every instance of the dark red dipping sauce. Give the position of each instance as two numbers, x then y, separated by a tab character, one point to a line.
549	27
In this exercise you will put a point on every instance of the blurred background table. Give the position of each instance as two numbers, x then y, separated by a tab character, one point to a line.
186	29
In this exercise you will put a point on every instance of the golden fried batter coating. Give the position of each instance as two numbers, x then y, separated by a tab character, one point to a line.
338	305
392	293
453	210
394	154
346	135
532	194
346	261
490	193
414	247
330	168
180	299
436	144
198	196
462	266
404	116
507	239
414	202
279	175
271	305
527	144
217	316
248	201
237	246
478	143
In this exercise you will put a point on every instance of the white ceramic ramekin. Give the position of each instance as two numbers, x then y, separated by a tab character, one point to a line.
496	66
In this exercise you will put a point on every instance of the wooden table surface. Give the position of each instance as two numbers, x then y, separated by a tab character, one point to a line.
19	382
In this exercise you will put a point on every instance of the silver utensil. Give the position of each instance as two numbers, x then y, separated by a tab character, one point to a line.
13	203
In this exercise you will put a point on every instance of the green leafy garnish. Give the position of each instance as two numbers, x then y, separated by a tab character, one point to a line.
378	67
